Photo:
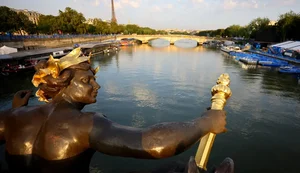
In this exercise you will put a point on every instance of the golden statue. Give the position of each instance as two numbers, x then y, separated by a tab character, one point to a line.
220	93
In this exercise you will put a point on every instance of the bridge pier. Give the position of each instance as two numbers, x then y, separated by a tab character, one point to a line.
171	38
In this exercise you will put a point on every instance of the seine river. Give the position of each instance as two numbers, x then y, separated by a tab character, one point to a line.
144	85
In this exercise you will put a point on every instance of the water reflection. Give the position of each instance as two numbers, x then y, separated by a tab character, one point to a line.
144	96
138	120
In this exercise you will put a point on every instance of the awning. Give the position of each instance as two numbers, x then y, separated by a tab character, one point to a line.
7	50
283	43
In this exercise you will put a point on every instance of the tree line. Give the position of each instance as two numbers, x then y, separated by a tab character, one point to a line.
12	21
68	21
286	28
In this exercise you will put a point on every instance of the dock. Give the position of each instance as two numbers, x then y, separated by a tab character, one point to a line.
26	60
37	53
55	52
290	60
99	48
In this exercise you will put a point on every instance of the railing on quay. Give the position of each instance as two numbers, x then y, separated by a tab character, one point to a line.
55	36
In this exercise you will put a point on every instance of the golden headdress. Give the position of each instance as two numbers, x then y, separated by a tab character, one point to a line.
55	66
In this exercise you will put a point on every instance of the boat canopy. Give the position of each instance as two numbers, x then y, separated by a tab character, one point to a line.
296	48
4	50
286	46
283	43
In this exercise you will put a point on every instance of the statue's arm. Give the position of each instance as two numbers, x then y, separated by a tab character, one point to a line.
2	125
157	141
21	98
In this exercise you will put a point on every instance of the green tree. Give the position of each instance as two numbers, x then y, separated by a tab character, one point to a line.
161	32
131	28
257	26
121	28
205	33
101	27
82	28
233	31
114	28
70	21
47	24
289	25
10	20
91	29
25	24
219	32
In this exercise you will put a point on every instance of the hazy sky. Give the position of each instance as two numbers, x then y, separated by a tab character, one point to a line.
166	14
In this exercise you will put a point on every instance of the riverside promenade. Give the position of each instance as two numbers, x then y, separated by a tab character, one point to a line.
30	42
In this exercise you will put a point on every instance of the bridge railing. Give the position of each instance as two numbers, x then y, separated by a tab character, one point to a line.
55	36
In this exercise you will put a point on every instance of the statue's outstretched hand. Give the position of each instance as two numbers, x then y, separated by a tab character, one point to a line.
21	98
216	121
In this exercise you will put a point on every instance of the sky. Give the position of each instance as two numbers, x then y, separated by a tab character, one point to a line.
167	14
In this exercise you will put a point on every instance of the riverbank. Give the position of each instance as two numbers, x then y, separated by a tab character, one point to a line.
28	44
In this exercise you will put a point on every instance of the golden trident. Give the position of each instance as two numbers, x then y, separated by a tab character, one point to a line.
220	93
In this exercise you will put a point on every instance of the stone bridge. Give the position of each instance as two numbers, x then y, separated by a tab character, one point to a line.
171	38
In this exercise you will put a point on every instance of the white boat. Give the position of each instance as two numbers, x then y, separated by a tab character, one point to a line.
229	49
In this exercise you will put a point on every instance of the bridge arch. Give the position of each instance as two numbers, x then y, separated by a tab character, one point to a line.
186	43
171	38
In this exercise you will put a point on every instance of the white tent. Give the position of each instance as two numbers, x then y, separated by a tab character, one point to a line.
7	50
227	43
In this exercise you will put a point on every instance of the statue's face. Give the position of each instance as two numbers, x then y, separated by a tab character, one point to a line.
83	87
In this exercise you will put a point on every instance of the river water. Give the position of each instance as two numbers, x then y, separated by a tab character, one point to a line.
144	85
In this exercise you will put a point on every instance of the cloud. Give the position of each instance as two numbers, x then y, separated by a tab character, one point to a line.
280	3
96	3
243	4
288	2
169	6
132	3
160	8
117	5
230	4
249	4
123	3
198	1
156	9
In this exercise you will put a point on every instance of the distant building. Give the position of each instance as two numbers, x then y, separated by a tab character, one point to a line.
107	21
32	15
182	31
92	21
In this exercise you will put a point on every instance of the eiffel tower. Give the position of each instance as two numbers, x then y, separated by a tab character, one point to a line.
113	17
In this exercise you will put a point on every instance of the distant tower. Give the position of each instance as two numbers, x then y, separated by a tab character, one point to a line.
113	15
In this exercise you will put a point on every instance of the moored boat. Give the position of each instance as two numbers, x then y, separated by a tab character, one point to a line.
26	60
249	61
289	69
99	48
127	42
229	49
